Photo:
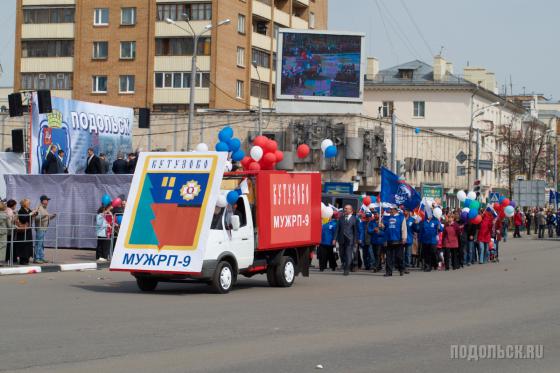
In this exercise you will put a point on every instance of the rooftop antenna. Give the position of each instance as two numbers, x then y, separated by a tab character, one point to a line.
441	51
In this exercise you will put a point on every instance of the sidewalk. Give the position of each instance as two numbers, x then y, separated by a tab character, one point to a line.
60	260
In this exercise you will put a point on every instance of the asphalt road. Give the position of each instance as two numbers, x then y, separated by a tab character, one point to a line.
98	321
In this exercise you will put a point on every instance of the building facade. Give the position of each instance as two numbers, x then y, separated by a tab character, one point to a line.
127	53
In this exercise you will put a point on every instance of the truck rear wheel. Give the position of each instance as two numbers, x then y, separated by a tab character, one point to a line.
285	272
146	283
271	276
223	278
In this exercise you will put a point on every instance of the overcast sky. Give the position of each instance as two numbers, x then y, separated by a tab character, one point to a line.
508	37
516	38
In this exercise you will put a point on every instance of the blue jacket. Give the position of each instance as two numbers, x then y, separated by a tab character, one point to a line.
327	232
410	229
376	238
429	230
394	227
362	227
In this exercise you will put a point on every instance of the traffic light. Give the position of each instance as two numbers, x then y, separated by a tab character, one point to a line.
477	188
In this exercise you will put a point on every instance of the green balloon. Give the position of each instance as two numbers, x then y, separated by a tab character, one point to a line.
475	205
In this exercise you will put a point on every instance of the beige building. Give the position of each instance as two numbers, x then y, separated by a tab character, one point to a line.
123	52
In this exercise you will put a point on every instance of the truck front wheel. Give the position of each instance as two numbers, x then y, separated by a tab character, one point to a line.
271	276
223	278
146	283
285	272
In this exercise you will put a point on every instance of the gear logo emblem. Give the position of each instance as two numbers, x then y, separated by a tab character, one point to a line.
190	190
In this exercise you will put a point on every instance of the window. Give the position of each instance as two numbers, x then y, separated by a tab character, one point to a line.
128	50
126	84
261	58
128	16
181	79
101	17
240	57
239	89
99	84
260	27
311	20
47	48
195	12
100	50
241	24
387	109
48	15
419	109
182	46
259	88
33	81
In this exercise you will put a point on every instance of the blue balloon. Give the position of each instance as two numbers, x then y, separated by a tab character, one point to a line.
467	202
473	213
331	152
225	134
234	144
222	147
119	219
106	200
512	204
238	155
417	130
232	197
501	199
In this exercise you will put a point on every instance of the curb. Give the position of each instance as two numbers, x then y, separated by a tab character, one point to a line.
28	270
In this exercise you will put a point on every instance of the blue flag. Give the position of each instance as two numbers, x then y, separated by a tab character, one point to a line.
397	191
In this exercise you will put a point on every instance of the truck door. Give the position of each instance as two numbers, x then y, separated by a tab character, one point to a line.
242	240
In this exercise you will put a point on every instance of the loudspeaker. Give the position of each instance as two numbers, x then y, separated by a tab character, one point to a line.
143	117
17	141
44	98
16	109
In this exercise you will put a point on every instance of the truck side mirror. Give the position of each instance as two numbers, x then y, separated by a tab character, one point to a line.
235	222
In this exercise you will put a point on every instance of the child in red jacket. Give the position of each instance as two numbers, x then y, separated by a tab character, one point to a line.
450	243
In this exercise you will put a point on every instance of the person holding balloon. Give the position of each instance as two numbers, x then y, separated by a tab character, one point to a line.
103	228
484	236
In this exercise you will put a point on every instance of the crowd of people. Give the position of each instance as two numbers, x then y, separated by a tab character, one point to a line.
401	239
538	220
95	164
23	230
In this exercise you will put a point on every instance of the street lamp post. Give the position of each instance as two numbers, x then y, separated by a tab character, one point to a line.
193	66
475	114
260	97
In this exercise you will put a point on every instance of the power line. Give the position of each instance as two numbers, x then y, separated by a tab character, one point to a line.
400	32
417	28
386	31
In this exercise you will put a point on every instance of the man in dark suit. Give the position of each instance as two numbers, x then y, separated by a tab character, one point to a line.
93	163
51	166
61	169
119	165
347	238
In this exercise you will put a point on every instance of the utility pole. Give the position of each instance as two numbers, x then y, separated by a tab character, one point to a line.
555	173
477	162
3	131
254	63
393	141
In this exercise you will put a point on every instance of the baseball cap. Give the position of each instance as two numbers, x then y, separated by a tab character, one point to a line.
43	198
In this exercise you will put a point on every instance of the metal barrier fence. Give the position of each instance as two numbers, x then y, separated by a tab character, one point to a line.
22	240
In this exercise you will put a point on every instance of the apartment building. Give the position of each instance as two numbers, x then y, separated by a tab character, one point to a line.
128	53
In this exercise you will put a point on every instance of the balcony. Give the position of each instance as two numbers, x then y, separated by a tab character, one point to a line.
180	95
299	23
47	64
263	72
50	2
282	18
180	63
303	3
47	31
261	41
266	104
164	29
262	10
66	93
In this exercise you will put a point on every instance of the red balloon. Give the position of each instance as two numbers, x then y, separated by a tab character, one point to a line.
496	206
303	151
268	159
260	141
505	202
271	146
116	203
367	201
279	156
254	166
246	161
476	220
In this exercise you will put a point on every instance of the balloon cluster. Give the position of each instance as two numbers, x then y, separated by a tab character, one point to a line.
227	143
470	212
264	155
106	201
326	211
504	207
328	148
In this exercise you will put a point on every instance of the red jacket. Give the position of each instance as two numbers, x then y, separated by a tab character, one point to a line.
485	231
451	236
518	219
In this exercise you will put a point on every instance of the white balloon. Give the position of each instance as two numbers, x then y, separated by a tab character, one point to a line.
202	147
471	195
461	196
228	166
325	144
256	153
327	213
466	209
371	206
438	213
222	201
